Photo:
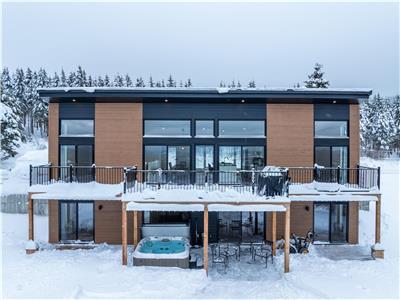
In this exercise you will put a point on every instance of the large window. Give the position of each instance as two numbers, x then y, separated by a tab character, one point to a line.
167	128
77	128
331	156
167	157
330	222
331	129
76	221
204	128
76	155
234	158
244	129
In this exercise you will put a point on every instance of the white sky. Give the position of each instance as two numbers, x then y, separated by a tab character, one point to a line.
274	44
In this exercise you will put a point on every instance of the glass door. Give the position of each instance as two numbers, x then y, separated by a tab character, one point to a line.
76	221
339	214
321	221
331	222
204	161
230	161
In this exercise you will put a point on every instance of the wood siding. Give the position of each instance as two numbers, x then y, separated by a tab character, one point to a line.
354	135
118	134
290	135
301	220
353	222
53	221
53	132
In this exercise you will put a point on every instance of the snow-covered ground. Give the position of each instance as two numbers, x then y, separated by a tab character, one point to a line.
98	273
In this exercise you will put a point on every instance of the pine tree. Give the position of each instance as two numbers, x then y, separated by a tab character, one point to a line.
107	81
118	81
222	84
10	134
90	81
162	83
140	82
158	84
18	93
55	81
63	79
316	80
80	79
180	83
128	81
252	84
151	82
171	82
100	81
395	143
188	83
239	84
71	79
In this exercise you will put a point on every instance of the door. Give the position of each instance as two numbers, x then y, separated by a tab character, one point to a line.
77	156
331	157
76	221
331	222
204	161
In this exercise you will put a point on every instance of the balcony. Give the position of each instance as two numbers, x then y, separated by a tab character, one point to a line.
271	182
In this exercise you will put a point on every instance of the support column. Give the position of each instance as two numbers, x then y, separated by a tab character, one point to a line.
205	239
135	228
124	235
378	220
287	237
31	246
274	233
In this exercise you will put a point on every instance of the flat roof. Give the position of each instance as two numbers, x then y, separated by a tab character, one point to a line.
141	94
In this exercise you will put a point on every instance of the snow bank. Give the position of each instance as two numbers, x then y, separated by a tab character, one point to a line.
31	245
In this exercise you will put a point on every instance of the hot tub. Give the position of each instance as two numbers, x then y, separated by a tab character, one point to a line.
162	252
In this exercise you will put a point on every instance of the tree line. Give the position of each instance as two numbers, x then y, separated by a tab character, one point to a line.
24	114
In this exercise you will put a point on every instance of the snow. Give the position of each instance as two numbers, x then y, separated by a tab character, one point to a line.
31	245
15	171
378	246
257	207
132	206
77	191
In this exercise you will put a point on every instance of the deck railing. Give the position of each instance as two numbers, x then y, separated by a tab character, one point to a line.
47	174
360	177
269	183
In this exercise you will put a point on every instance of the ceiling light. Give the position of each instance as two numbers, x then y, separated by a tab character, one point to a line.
243	101
166	100
73	100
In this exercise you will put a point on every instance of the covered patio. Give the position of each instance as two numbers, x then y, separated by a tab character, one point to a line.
206	206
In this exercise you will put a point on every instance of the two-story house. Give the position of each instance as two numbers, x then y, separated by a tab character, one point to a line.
197	156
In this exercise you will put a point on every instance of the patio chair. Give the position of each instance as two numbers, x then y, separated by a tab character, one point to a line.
217	258
264	250
230	250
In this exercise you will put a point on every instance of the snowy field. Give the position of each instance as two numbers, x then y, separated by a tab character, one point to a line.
98	273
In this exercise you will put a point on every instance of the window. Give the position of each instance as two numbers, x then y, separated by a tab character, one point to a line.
76	155
331	156
167	128
167	157
204	157
76	221
77	128
331	129
204	128
233	158
241	128
330	222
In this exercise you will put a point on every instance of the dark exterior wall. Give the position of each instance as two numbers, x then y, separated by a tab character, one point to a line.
118	134
301	220
53	133
290	135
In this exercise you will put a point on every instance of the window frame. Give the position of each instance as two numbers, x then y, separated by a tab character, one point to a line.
168	136
330	154
332	137
76	135
77	220
76	152
204	136
241	136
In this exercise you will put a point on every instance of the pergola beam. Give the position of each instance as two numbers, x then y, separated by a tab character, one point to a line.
378	220
124	235
135	229
274	233
287	238
30	218
205	239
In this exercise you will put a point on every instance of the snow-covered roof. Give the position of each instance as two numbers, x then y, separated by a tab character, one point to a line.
204	92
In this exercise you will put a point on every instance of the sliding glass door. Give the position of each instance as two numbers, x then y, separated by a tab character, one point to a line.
76	221
331	157
331	222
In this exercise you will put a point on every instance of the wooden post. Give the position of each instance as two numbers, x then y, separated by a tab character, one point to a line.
205	239
135	228
274	233
378	220
124	235
287	237
30	217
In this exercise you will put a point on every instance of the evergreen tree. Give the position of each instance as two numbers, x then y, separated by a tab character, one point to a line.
100	81
128	81
188	83
118	81
158	84
55	81
151	82
63	79
395	142
252	84
162	83
10	134
316	80
140	82
71	79
180	83
80	77
18	93
90	81
239	84
171	81
222	84
107	82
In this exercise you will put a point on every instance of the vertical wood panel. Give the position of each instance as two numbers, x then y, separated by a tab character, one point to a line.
290	135
354	135
53	131
205	239
53	221
287	238
124	234
353	222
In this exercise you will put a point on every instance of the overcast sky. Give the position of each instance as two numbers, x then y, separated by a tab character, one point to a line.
274	44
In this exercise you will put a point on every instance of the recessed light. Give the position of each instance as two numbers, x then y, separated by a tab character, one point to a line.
166	100
334	101
73	100
243	101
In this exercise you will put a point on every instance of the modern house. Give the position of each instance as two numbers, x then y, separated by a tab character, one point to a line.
197	156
